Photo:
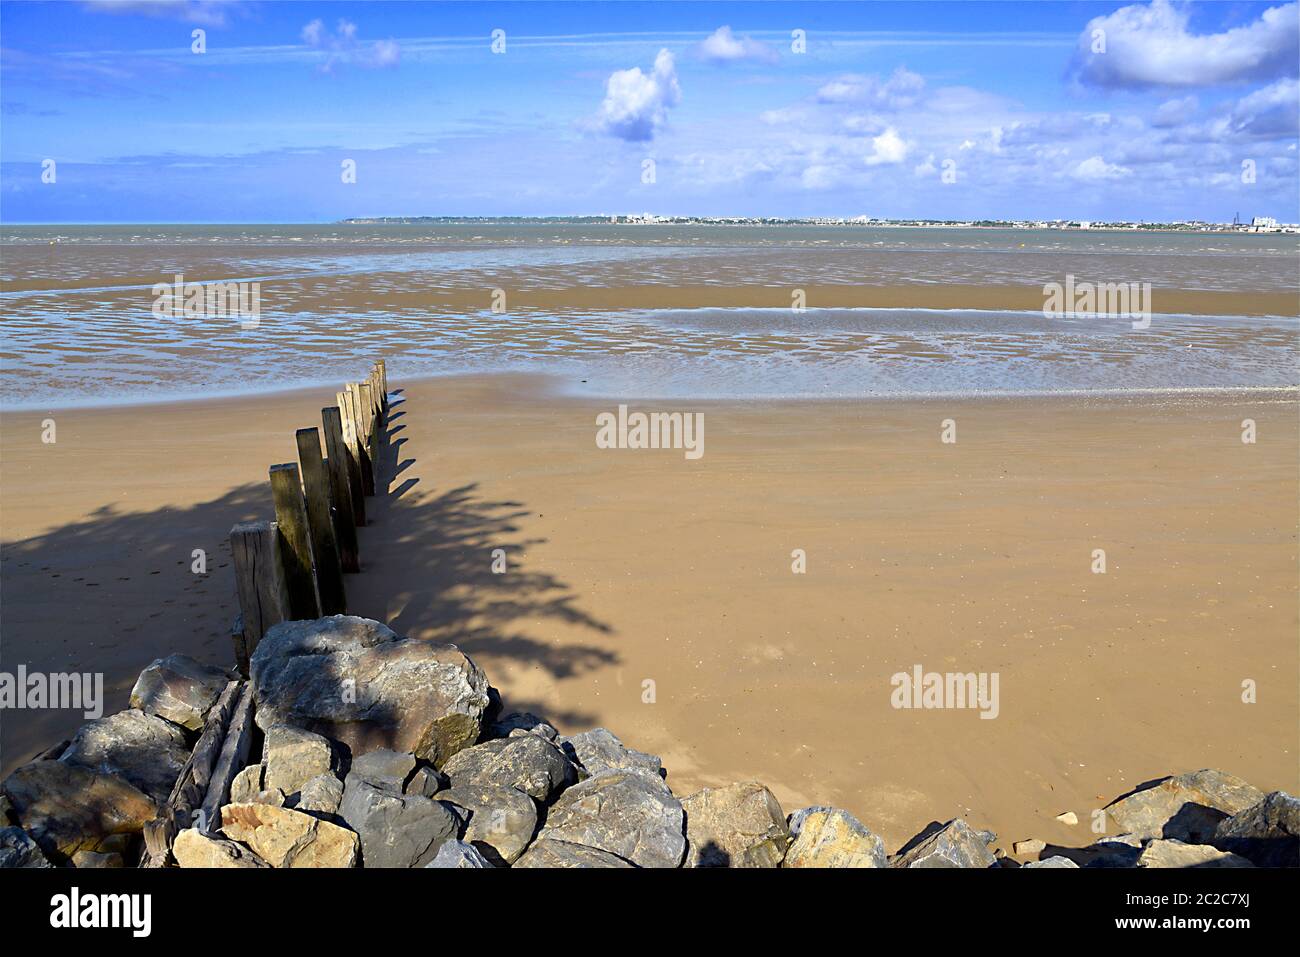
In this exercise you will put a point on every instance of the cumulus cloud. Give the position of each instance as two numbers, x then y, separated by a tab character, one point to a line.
1096	169
1271	112
901	90
636	104
1152	46
722	46
889	149
1174	113
343	46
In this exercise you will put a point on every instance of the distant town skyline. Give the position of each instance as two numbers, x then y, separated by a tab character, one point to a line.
204	111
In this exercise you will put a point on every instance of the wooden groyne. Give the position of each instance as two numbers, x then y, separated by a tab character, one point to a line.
286	569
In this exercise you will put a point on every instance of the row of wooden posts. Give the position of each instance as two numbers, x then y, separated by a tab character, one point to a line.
292	568
288	569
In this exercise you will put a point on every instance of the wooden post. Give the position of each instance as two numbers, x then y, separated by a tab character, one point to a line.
294	542
372	444
324	544
232	760
354	465
383	381
259	582
345	524
362	451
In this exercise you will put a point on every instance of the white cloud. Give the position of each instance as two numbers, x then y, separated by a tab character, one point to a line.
342	46
1174	113
901	90
1270	112
1151	46
722	46
636	104
209	13
889	148
1096	169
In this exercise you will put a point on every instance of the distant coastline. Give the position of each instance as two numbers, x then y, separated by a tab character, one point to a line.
1258	225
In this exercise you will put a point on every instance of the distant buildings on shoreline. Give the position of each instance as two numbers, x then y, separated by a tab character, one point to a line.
1260	224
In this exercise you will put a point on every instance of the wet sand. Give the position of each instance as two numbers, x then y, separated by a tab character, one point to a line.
626	566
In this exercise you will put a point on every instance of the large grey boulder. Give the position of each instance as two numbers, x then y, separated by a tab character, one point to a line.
830	837
356	682
293	757
1114	851
1267	834
740	825
458	854
1171	853
629	814
1187	807
68	808
548	853
320	797
518	721
599	750
956	844
396	829
144	750
1055	862
179	689
18	849
501	821
527	762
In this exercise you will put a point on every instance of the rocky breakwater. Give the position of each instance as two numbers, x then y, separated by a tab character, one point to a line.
373	750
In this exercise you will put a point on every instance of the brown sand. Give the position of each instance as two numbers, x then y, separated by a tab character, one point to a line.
633	565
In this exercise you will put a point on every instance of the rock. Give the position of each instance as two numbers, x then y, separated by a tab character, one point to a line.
95	860
179	689
829	837
287	838
1054	862
599	750
321	796
629	814
425	781
1068	817
1171	853
501	820
549	853
1187	808
18	849
384	769
528	762
522	721
294	757
146	751
247	783
1267	834
192	848
396	829
1029	848
68	808
458	854
1120	850
355	681
740	825
956	844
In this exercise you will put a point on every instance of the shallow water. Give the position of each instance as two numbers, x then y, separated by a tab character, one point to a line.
79	326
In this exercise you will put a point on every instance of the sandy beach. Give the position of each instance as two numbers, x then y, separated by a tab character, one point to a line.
633	565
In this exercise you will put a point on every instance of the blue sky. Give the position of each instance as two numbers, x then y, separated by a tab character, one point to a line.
1012	100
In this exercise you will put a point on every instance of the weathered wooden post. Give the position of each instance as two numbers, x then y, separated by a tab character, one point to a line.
354	467
294	541
345	524
259	582
383	381
371	436
364	462
324	544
